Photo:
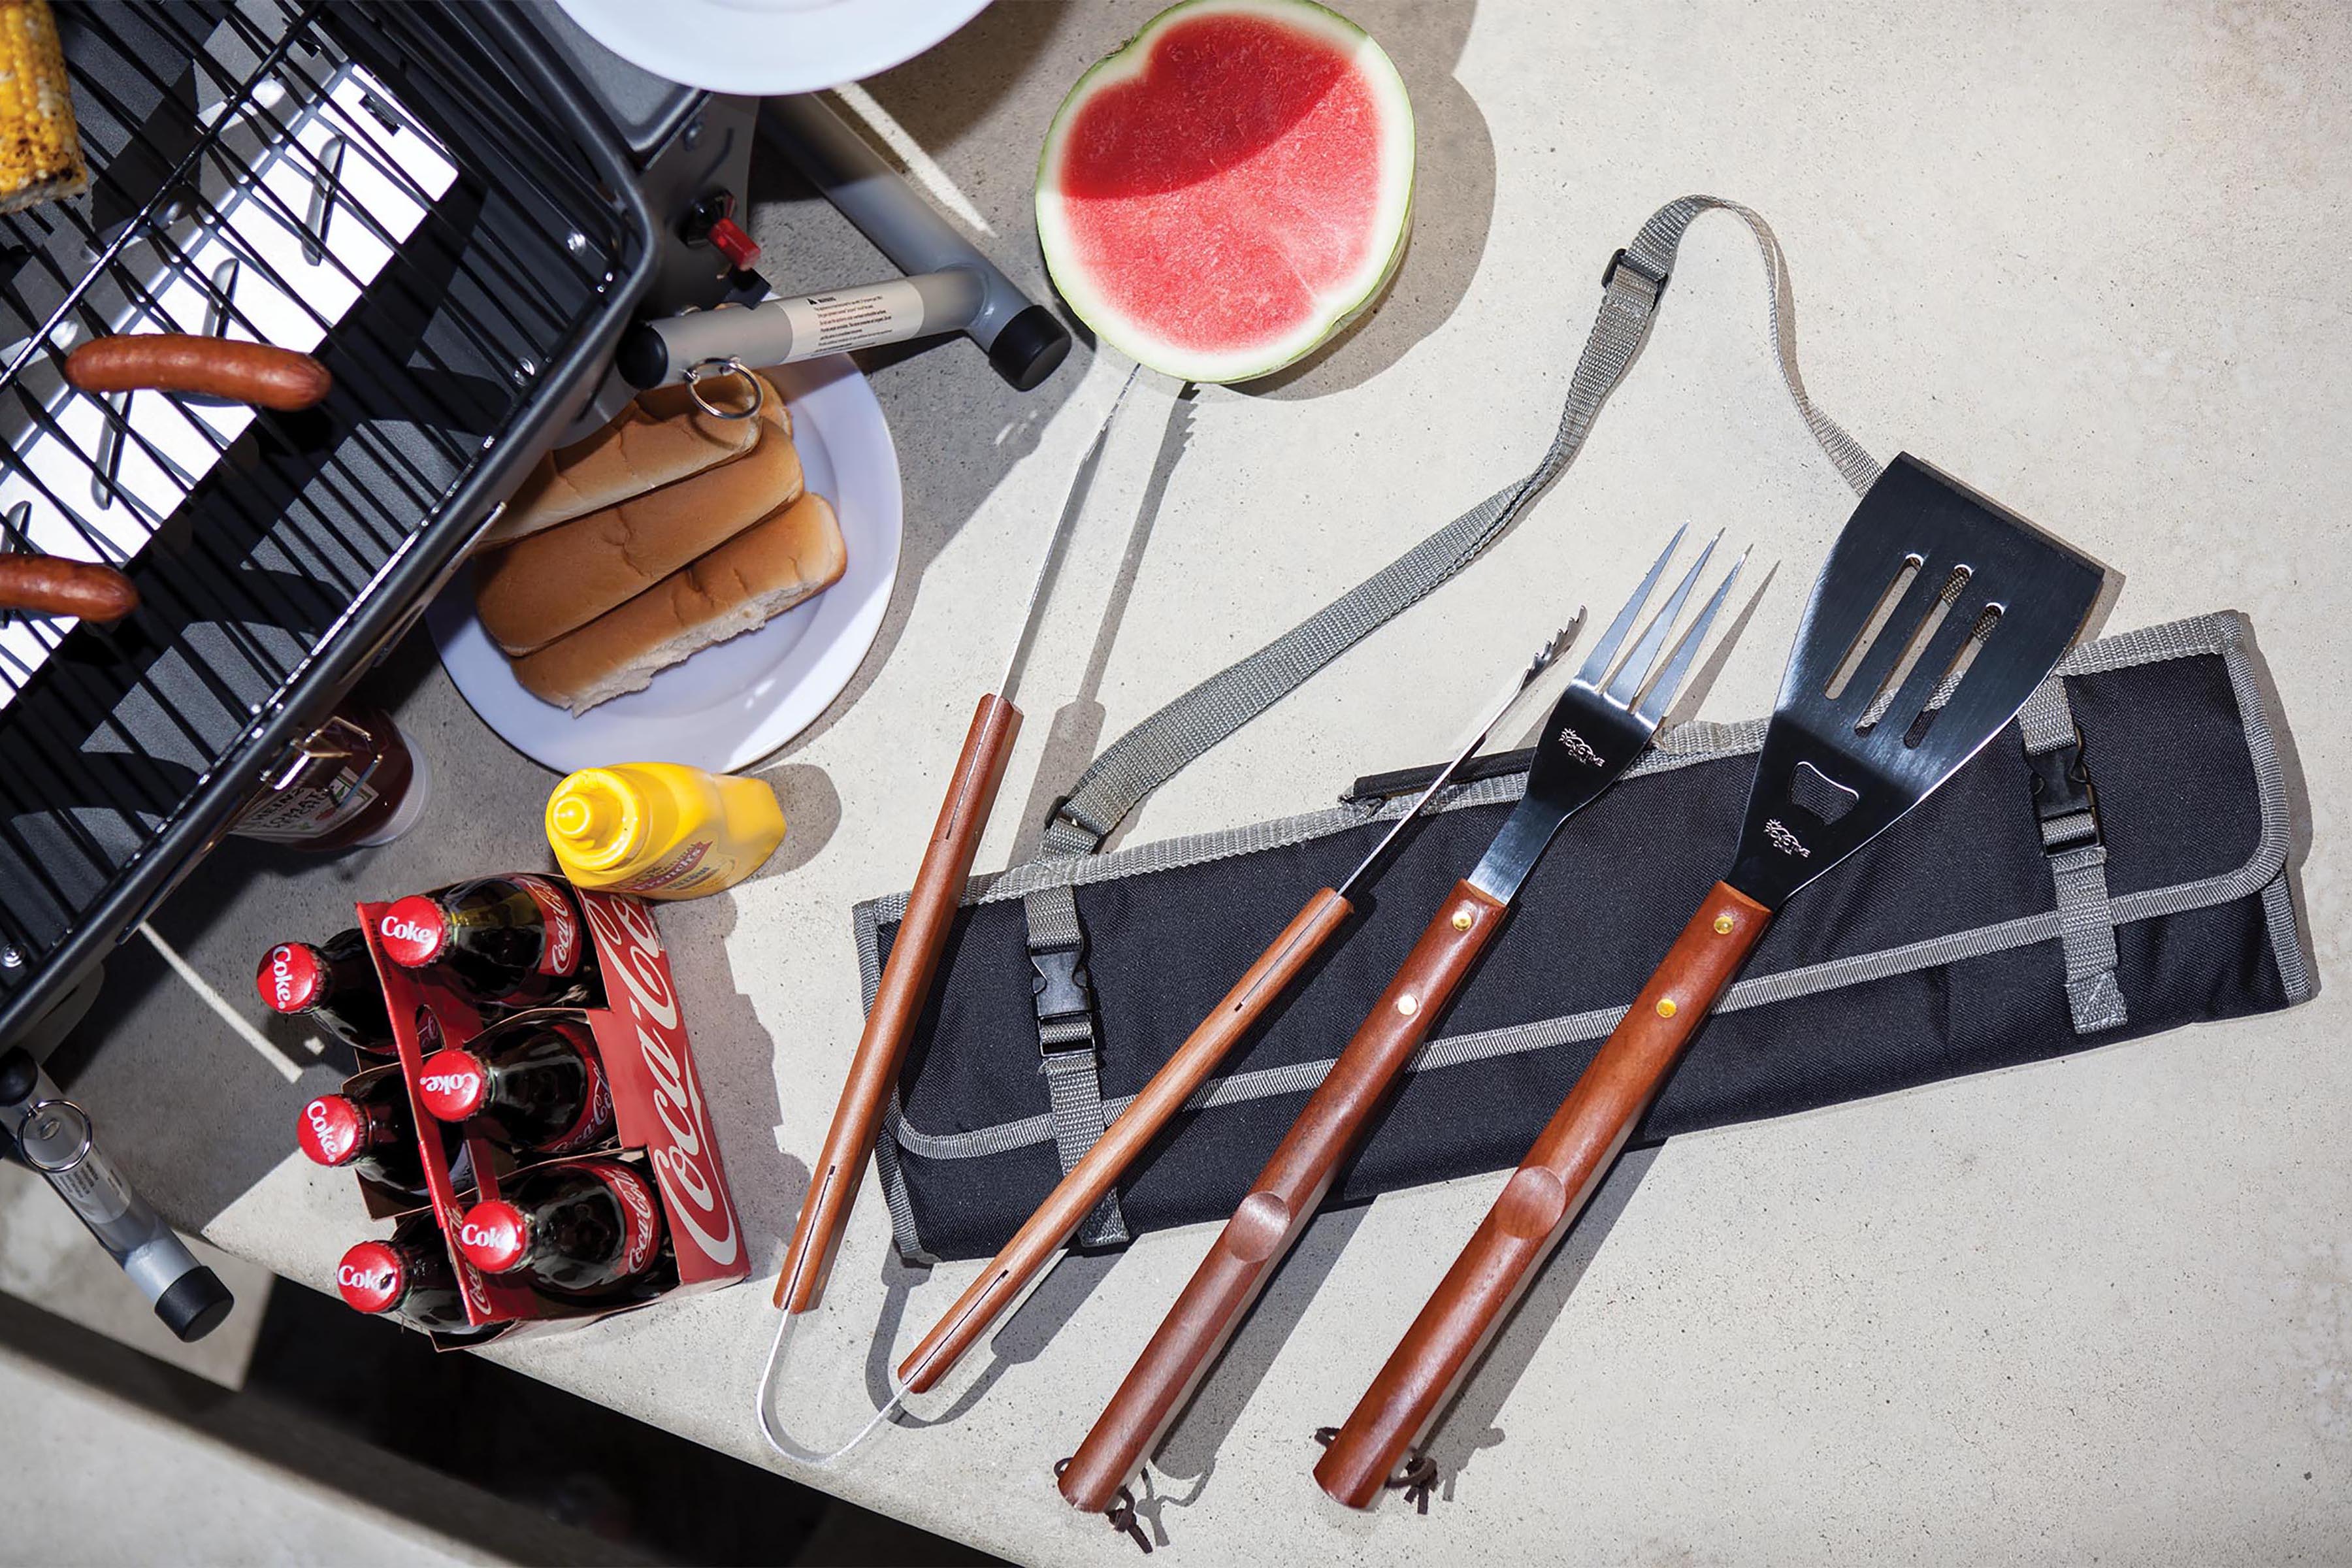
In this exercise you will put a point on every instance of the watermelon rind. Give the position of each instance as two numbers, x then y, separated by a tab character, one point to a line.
1337	307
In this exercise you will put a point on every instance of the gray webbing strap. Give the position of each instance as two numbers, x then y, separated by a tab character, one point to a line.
2078	863
1169	741
1066	1046
1160	746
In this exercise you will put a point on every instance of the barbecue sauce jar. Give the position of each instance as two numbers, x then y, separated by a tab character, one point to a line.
353	781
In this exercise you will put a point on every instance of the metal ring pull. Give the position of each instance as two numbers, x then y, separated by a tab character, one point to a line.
730	365
81	1151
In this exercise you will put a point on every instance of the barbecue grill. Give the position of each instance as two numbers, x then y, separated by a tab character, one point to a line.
418	195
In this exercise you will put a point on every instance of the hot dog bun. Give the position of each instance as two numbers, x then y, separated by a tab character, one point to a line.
797	551
561	578
660	438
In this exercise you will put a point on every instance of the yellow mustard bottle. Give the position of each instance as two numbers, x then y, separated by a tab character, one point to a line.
661	830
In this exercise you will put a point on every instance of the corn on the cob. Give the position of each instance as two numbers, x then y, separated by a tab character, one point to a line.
40	150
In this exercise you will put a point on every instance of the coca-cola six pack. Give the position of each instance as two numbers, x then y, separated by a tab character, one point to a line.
535	1132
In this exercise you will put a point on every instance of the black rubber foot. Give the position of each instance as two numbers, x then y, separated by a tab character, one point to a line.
1031	346
194	1305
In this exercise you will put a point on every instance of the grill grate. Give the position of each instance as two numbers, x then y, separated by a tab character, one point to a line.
364	183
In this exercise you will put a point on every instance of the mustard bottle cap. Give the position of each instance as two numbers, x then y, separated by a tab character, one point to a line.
594	819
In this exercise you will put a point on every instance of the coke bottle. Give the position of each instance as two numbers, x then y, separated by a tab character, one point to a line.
590	1230
369	1131
407	1278
507	942
538	1090
334	983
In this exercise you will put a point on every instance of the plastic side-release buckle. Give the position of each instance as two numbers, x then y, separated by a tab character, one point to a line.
1061	989
2063	801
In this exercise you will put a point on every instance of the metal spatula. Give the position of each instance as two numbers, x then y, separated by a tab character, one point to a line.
1934	619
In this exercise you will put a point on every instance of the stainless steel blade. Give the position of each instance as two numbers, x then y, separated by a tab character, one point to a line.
1491	715
1837	771
1073	503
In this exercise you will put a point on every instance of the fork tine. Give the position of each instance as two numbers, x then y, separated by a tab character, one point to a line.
1604	652
1636	667
1661	695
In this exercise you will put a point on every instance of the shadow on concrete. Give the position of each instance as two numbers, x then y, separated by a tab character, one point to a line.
1076	734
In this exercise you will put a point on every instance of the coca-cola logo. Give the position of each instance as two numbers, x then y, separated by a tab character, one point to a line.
412	930
289	977
451	1085
371	1277
640	1221
329	1128
687	1164
491	1235
561	953
449	1082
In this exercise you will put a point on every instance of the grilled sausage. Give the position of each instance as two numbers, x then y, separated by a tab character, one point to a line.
53	585
212	367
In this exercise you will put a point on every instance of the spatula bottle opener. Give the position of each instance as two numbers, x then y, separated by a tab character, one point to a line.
1599	726
1934	619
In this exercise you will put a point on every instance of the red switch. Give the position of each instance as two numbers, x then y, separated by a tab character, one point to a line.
739	248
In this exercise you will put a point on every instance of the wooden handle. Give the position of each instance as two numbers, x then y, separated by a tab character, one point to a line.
210	367
898	1001
53	585
1279	1205
1122	1144
1542	1199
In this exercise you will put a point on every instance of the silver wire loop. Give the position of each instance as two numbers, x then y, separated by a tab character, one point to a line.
698	373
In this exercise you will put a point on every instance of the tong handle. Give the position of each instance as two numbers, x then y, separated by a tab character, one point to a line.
1281	1202
1043	1235
898	1001
1542	1199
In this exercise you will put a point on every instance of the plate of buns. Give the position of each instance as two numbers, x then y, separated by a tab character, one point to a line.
684	585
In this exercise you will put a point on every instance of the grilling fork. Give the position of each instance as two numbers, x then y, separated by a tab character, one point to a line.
1601	725
1935	617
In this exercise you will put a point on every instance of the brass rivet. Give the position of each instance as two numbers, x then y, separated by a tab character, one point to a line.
1408	1004
1462	920
1665	1006
1723	924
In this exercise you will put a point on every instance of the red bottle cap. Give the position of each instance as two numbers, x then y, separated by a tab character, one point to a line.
331	1129
373	1277
291	977
738	247
453	1084
494	1235
413	930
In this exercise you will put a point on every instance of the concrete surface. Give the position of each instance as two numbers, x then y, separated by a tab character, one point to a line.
2089	257
50	1262
108	1481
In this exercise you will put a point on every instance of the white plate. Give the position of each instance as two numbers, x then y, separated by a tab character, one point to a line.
763	47
736	702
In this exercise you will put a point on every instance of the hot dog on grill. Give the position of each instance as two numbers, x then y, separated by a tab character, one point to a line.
53	585
257	373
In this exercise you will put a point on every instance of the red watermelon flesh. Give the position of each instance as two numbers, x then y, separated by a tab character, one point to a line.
1219	196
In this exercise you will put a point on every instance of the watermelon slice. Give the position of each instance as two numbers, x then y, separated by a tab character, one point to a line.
1219	196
